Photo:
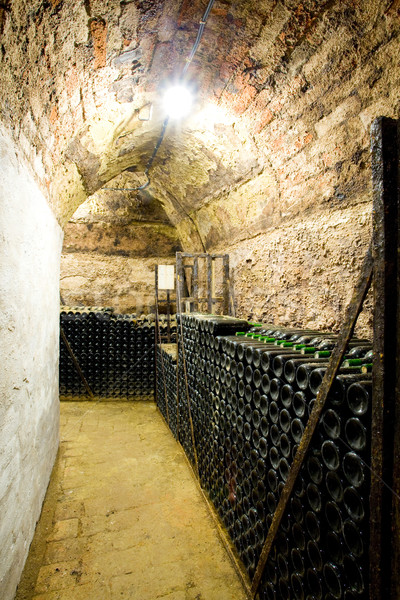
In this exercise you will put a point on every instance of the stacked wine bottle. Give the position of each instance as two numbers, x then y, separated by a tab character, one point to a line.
115	353
166	384
251	391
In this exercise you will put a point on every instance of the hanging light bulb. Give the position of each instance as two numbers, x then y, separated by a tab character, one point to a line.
177	101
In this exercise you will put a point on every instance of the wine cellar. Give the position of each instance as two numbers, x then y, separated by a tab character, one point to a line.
199	292
255	393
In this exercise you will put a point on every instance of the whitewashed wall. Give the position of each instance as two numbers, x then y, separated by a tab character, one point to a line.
30	247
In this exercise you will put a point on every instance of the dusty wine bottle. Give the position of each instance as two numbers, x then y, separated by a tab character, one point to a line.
359	397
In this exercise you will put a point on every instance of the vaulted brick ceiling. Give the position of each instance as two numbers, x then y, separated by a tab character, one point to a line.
77	79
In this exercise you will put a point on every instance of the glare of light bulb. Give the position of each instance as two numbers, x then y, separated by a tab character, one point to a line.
177	101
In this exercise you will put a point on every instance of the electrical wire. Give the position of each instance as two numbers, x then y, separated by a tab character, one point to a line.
148	166
199	36
189	59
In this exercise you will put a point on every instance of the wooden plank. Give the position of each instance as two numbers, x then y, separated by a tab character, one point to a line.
192	299
353	310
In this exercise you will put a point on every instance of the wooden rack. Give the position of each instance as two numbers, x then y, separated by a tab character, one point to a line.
190	282
381	265
385	439
167	301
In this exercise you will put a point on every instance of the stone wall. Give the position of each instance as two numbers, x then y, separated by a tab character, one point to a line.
285	95
298	231
30	245
272	167
123	283
303	272
111	246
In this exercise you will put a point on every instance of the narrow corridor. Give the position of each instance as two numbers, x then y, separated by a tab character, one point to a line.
123	517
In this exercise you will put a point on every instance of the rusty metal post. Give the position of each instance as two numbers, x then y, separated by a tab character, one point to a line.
156	332
352	312
385	443
226	284
195	284
179	277
209	297
168	317
209	284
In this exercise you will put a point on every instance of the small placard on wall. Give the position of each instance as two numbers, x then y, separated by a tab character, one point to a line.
166	277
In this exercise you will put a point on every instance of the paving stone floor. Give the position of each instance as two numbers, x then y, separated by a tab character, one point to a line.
123	518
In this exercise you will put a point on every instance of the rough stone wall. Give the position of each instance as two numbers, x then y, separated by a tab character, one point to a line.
297	233
30	246
131	239
125	284
286	89
76	75
111	247
303	272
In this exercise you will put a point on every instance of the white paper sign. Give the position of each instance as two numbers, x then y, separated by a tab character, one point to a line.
166	277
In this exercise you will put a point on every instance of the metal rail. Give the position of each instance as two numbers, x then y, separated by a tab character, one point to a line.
353	310
196	460
209	299
385	435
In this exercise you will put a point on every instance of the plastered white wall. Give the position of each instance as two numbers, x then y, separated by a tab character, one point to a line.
30	247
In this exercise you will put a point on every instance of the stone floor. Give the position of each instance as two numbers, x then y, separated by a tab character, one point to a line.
123	517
